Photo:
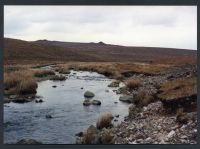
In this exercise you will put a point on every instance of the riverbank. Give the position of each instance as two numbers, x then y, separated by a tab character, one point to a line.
155	119
153	116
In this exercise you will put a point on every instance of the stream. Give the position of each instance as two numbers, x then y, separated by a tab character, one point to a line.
65	104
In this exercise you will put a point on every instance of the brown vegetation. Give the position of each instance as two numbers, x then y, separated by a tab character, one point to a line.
20	51
143	98
180	88
117	70
104	121
42	73
133	83
19	82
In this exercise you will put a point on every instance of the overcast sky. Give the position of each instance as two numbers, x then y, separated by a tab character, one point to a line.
159	26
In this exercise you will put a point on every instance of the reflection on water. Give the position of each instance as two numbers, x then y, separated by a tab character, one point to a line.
64	104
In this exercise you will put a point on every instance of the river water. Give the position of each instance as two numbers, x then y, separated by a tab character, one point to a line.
64	104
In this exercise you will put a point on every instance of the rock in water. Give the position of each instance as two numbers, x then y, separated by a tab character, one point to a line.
114	84
80	134
40	101
28	141
96	102
48	116
89	94
126	98
87	102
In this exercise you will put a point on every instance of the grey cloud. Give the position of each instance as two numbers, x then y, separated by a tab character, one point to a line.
118	25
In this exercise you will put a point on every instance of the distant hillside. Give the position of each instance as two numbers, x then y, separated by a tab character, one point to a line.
44	50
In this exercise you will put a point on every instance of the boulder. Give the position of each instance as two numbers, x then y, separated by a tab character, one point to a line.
126	98
89	94
28	141
54	86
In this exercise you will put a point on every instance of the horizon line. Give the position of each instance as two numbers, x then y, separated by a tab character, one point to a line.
91	42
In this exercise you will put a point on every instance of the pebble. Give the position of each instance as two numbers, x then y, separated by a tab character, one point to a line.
171	134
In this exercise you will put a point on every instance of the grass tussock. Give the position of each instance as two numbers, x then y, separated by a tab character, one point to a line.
89	135
104	121
180	88
133	83
19	82
42	73
143	98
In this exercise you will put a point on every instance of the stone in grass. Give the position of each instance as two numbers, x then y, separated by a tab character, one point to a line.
89	94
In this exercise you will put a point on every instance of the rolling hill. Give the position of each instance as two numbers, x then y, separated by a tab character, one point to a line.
20	51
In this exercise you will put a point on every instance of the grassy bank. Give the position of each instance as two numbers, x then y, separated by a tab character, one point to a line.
20	80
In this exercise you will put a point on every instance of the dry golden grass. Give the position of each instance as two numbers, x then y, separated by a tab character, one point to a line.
179	88
42	73
107	137
116	69
105	120
89	135
143	98
19	82
133	83
12	68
